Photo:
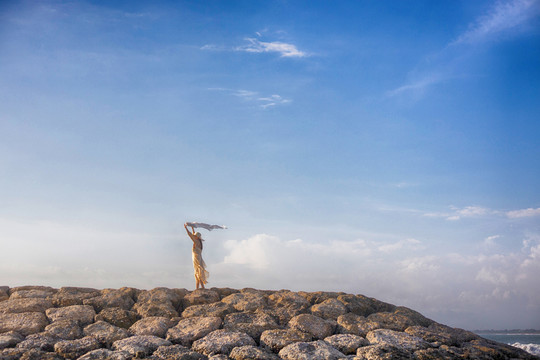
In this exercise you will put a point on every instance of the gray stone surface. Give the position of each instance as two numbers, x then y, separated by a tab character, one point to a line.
191	329
251	323
65	329
218	309
250	352
221	342
201	296
329	309
319	328
314	350
41	293
354	324
24	323
83	314
284	305
106	354
4	293
10	339
153	325
118	317
111	298
105	333
176	352
275	340
67	296
24	305
347	343
42	341
379	352
72	349
402	340
246	301
140	345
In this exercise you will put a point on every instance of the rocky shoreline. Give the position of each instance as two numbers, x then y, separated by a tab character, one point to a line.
38	322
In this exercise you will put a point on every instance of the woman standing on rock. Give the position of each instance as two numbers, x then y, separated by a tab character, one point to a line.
201	275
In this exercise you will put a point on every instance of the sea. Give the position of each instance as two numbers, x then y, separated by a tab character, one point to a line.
529	342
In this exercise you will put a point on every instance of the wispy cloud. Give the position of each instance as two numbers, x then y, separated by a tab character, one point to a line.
418	85
523	213
284	49
503	17
460	213
262	101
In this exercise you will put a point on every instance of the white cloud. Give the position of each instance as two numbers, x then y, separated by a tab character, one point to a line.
263	102
504	16
523	213
460	213
493	276
490	240
412	243
417	86
284	49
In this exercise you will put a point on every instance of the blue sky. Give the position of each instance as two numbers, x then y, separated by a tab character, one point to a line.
382	148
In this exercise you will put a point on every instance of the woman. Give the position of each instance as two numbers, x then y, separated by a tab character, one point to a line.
201	275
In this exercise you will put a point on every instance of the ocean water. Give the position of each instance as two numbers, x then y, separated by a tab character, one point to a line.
527	342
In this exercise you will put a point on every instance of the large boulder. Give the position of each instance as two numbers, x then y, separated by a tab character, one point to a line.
106	354
67	296
310	351
380	352
284	305
319	328
112	298
65	329
73	349
246	301
275	340
251	323
117	316
154	325
218	309
42	341
329	309
191	329
24	305
200	296
346	343
24	323
10	339
354	324
250	352
4	293
141	345
222	342
83	314
41	292
105	333
319	296
401	340
176	352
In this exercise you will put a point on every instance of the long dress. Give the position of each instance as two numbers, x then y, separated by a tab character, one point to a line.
199	265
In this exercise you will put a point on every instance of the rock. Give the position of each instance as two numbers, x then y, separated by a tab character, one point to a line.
24	305
250	352
191	329
433	354
219	357
329	309
431	335
68	296
392	321
346	343
42	341
11	354
248	301
221	342
105	333
140	345
118	317
314	350
457	336
65	329
83	314
218	309
379	352
37	292
36	354
72	349
275	340
414	316
109	298
30	287
106	354
284	305
401	340
251	323
359	305
155	308
176	352
313	325
10	339
4	293
154	325
162	294
354	324
24	323
319	296
200	296
223	292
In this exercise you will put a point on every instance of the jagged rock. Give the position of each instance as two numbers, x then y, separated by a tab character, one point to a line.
388	320
10	339
380	352
106	354
430	335
458	336
176	352
154	325
200	296
250	352
414	316
36	354
83	314
221	342
118	317
275	340
155	308
401	340
162	294
310	351
36	292
434	354
251	323
354	324
24	323
65	329
223	292
219	357
72	349
284	305
4	293
248	301
24	305
140	345
68	296
110	298
346	343
218	309
42	341
329	309
105	333
191	329
314	325
30	287
318	297
11	354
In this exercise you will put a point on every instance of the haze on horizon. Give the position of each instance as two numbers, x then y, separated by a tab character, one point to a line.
382	148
